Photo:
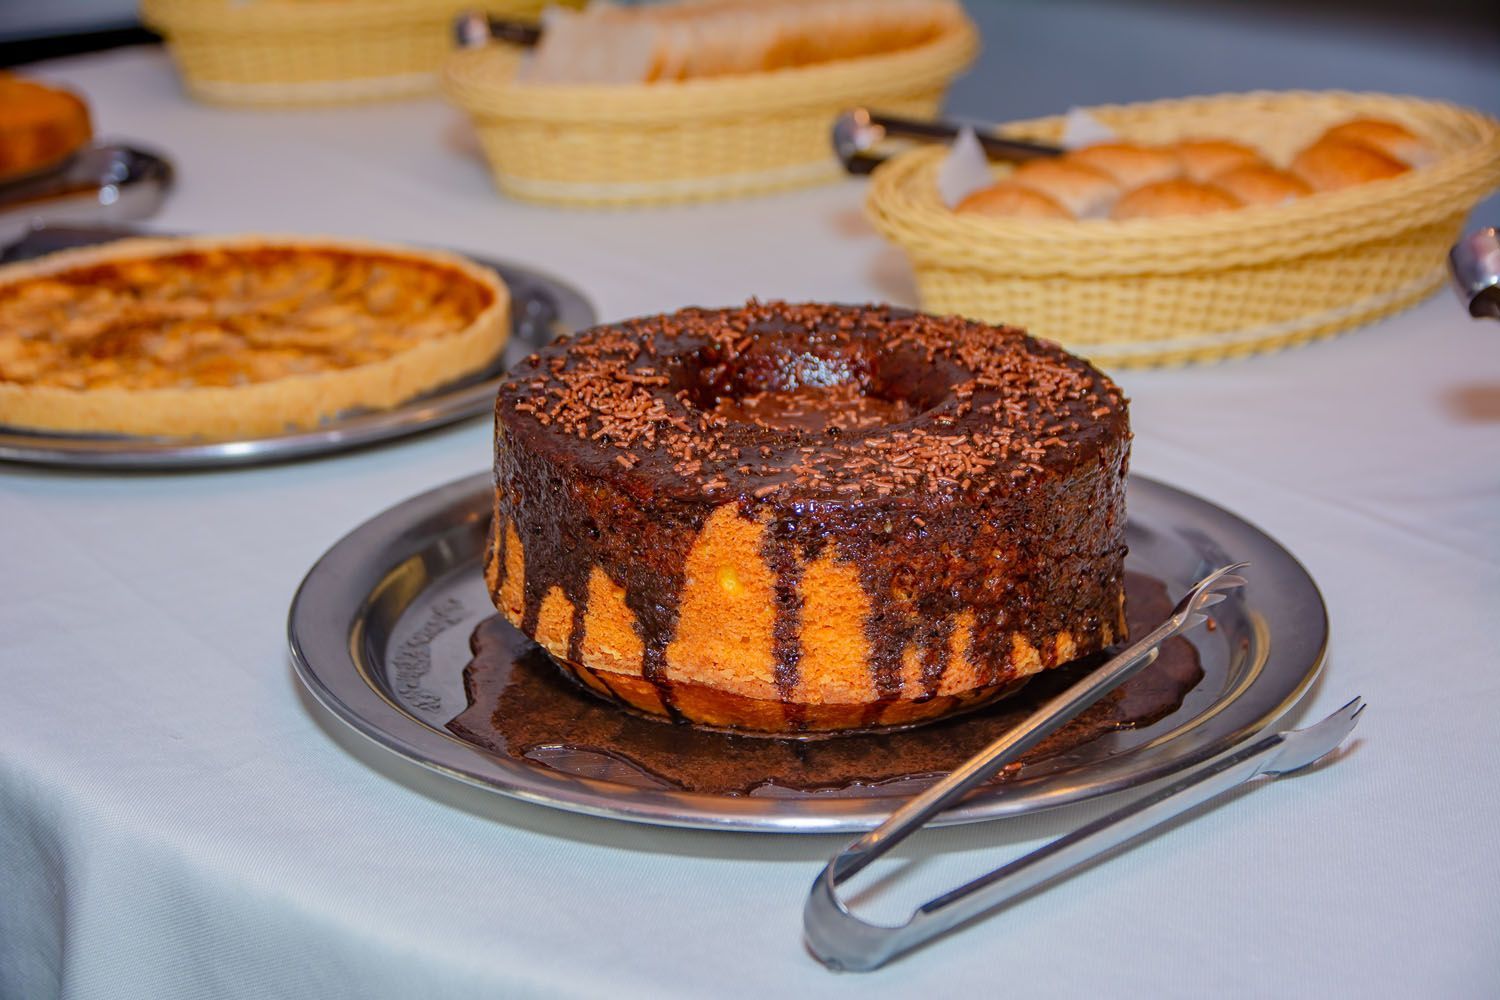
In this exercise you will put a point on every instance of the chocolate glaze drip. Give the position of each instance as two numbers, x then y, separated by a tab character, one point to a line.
937	653
575	631
786	646
960	466
521	706
557	519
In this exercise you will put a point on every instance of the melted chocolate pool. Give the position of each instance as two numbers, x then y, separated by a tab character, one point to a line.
520	706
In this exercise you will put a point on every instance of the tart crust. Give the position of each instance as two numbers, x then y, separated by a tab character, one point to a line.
395	362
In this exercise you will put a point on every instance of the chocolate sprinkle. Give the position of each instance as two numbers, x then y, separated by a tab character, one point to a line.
961	405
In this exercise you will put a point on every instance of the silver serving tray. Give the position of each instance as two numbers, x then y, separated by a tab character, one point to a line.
379	634
542	308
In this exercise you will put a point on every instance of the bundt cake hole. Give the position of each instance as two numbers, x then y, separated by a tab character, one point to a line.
808	387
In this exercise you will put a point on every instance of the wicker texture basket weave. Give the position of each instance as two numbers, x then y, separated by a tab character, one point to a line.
289	52
1202	288
720	137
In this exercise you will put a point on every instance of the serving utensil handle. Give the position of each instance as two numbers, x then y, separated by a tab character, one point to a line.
474	29
858	131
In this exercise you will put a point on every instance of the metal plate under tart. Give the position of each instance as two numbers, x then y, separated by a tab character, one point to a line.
379	634
542	308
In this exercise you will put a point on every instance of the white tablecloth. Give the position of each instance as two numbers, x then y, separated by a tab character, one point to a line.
177	820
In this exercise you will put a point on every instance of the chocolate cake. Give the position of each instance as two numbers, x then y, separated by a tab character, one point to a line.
805	518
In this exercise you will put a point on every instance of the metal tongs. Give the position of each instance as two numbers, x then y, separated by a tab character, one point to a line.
101	183
859	133
844	941
474	29
1474	263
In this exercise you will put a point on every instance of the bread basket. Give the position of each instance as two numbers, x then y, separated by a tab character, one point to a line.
1203	288
656	143
288	52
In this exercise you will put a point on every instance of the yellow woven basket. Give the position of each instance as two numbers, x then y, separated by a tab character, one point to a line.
722	137
1203	288
289	52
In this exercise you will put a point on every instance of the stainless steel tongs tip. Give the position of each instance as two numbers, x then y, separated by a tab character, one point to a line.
1211	590
1305	747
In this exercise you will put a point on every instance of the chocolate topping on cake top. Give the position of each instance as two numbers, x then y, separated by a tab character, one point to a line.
815	401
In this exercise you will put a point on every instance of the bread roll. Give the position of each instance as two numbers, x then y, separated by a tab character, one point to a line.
1084	191
1335	164
1396	141
1173	197
1130	164
1007	199
1205	159
1262	184
711	38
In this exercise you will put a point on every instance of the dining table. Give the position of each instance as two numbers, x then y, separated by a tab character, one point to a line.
180	818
